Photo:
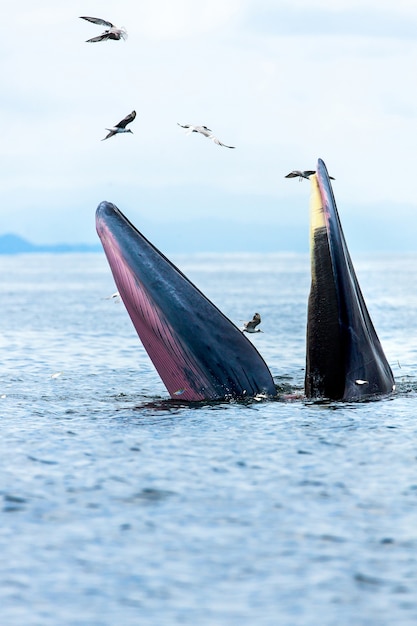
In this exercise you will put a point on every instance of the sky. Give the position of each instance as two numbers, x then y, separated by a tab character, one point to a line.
285	82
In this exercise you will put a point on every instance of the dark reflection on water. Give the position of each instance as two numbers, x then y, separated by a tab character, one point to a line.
121	506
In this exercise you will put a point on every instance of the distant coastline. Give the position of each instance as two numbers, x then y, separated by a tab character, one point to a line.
209	235
14	244
195	236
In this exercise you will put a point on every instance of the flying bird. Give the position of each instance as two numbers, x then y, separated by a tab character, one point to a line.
112	31
250	327
114	296
121	126
206	132
300	175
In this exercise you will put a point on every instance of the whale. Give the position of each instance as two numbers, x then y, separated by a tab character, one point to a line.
201	355
197	351
344	357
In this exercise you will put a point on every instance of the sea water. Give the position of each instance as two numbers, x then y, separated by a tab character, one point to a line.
122	507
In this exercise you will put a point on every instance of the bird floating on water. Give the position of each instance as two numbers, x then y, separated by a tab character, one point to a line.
112	31
250	327
302	174
206	132
121	126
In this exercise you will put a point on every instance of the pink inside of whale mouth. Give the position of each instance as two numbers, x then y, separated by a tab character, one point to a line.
172	359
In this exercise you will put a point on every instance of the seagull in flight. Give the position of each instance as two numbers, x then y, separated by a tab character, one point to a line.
121	126
112	31
206	132
114	296
250	327
302	174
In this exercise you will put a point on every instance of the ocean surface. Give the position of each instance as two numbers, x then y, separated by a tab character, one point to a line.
120	507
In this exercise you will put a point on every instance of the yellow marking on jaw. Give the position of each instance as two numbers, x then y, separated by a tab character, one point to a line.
317	219
316	206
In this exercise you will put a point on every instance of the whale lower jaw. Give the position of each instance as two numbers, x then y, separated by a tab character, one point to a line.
344	357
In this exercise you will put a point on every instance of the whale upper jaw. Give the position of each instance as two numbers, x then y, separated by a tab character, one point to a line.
344	358
198	352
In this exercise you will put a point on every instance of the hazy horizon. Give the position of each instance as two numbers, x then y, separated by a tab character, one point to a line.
223	235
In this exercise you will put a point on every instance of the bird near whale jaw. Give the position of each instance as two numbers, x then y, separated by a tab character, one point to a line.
344	359
198	352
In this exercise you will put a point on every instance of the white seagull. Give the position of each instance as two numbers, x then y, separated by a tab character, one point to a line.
112	31
114	296
121	126
302	174
250	327
206	132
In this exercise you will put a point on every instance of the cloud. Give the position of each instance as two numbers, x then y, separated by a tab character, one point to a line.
338	18
165	19
406	7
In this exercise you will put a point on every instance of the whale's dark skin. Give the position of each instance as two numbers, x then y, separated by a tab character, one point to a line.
198	352
344	357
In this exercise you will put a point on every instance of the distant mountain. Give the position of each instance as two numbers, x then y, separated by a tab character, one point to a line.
14	244
202	235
